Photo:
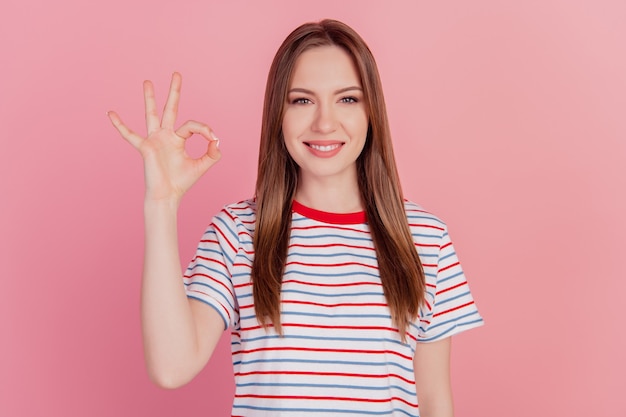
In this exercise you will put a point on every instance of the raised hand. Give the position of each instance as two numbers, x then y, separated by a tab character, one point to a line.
169	171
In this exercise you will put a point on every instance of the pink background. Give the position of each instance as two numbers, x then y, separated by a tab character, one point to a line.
509	121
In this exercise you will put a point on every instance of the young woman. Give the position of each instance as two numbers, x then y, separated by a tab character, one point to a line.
341	296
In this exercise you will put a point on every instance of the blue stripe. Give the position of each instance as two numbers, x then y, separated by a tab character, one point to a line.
447	256
347	294
425	235
252	213
332	316
214	292
296	236
324	410
331	339
316	295
457	327
346	274
442	280
447	300
415	216
235	237
284	360
217	252
217	271
331	255
336	386
224	318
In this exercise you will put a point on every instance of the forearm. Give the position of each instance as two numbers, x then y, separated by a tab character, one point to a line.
169	333
432	378
442	407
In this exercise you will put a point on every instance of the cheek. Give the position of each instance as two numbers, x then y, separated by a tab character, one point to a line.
290	125
359	125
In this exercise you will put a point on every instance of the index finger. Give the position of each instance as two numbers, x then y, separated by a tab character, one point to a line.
171	106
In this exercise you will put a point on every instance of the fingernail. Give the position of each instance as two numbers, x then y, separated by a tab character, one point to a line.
217	143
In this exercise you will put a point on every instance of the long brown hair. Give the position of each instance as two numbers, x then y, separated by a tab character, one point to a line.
400	269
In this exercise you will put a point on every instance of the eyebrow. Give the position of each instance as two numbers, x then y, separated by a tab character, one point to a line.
340	91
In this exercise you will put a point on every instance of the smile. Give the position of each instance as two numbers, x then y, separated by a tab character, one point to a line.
324	148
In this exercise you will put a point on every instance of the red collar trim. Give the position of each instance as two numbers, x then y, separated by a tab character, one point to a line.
327	217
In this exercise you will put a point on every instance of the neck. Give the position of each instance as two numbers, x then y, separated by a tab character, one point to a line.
330	194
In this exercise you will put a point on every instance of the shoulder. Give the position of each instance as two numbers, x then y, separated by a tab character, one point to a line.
235	221
422	221
242	212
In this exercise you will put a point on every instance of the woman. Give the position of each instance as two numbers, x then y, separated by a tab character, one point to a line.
341	296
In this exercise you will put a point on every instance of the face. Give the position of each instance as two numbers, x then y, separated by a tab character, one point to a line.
325	122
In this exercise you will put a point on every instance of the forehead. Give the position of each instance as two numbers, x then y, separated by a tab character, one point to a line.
324	67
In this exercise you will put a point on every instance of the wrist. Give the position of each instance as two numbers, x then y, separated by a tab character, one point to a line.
161	204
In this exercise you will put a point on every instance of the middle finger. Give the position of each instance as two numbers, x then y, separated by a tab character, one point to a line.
171	106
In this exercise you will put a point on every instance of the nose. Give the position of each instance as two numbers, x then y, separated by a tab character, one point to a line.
325	119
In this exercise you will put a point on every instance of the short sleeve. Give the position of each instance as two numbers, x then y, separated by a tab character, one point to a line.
450	307
208	277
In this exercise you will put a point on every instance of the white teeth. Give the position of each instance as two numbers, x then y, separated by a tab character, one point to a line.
325	148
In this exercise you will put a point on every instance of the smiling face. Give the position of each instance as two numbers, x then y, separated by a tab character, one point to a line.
325	121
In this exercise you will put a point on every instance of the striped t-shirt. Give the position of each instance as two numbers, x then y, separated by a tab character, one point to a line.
340	354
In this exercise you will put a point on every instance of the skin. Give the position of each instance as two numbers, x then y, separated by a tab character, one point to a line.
179	334
325	109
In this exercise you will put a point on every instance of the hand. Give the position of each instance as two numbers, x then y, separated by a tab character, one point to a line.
169	171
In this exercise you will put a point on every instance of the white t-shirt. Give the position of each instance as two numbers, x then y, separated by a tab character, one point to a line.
340	353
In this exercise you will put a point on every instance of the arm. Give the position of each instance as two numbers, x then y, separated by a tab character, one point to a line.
431	365
179	334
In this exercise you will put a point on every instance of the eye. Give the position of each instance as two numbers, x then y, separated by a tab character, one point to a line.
300	100
349	99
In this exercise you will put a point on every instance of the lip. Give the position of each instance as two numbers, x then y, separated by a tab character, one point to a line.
324	148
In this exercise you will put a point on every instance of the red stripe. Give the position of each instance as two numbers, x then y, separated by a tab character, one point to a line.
330	245
245	284
214	280
448	267
311	397
210	260
319	326
225	238
453	309
302	349
323	305
336	305
426	225
427	245
228	214
325	374
451	288
319	284
209	241
348	229
332	265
